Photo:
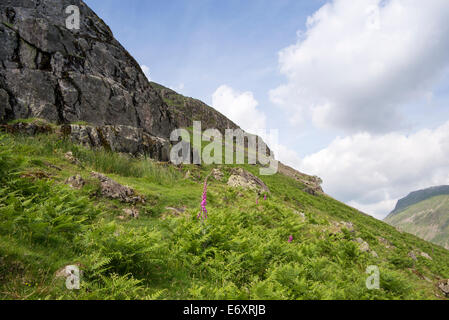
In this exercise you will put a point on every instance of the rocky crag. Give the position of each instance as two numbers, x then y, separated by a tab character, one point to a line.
69	76
86	82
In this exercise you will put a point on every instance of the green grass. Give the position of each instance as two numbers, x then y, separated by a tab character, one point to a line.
428	219
240	252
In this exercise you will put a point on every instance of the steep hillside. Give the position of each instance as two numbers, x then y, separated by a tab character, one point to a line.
81	185
147	242
428	218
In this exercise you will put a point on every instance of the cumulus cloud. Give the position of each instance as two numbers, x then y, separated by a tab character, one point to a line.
240	107
370	172
359	61
146	71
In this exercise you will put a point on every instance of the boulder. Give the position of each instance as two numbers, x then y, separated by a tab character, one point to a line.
363	245
348	226
246	180
417	253
412	255
444	286
425	255
76	182
71	158
338	226
113	190
385	242
217	174
132	213
51	166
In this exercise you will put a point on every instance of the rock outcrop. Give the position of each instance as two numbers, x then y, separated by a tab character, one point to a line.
50	72
86	76
244	179
312	184
217	174
132	213
337	227
76	182
185	110
444	287
114	190
123	139
71	158
416	253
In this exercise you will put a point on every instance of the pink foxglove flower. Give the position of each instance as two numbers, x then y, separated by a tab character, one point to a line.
265	197
290	239
203	213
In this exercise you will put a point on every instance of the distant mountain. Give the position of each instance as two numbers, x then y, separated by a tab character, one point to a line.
418	196
424	213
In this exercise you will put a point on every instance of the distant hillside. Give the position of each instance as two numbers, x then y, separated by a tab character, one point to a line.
418	196
427	219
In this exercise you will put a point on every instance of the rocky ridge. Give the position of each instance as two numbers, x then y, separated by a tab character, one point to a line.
87	83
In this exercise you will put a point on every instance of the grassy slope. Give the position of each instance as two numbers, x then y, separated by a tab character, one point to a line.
428	219
240	252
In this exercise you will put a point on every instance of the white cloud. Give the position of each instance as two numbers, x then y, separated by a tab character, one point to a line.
377	210
358	61
146	71
371	172
241	108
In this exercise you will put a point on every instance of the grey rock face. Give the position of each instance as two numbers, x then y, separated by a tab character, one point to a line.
64	76
186	110
114	190
5	107
123	139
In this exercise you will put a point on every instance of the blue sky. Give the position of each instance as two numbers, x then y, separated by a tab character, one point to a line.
359	91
